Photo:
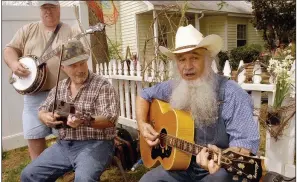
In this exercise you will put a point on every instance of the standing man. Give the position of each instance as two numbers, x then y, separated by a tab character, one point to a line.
86	146
221	109
31	39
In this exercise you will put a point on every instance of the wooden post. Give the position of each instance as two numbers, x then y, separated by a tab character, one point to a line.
197	23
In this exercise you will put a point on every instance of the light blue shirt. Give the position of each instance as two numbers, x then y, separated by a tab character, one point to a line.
237	113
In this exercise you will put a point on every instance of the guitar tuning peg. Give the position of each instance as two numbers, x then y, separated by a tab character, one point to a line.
231	155
235	178
244	180
251	161
250	176
239	173
240	158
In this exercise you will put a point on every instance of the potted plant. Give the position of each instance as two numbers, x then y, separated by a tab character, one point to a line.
283	77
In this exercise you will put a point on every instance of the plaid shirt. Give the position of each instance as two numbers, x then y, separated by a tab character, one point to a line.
96	97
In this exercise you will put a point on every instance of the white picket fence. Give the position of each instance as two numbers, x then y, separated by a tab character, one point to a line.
128	80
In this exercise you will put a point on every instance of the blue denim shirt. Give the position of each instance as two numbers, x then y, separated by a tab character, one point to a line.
237	113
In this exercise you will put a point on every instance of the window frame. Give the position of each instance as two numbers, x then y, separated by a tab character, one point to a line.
244	34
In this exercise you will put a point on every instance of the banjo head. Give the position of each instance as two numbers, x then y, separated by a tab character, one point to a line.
22	83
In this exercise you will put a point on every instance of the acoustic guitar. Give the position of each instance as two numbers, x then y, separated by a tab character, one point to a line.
177	145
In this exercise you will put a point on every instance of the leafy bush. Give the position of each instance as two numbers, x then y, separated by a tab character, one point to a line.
247	53
114	50
223	56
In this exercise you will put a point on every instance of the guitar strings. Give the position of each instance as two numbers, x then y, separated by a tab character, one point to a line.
164	136
211	152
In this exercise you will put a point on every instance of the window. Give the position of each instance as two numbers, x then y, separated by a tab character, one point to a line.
241	35
162	36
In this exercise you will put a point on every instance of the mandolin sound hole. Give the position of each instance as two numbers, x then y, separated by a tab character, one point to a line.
162	150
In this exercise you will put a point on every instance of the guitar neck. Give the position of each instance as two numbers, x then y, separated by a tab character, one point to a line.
185	146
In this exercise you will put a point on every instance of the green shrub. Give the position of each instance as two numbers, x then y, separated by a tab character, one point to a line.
223	56
114	50
247	53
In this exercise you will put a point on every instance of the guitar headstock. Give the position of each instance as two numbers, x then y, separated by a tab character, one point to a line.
239	165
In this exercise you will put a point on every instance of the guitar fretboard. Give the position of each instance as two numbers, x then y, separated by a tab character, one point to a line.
185	146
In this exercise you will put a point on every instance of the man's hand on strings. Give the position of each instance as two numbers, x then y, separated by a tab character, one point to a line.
149	134
74	121
20	69
49	119
203	160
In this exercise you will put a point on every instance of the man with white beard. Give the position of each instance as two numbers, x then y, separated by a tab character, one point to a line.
223	112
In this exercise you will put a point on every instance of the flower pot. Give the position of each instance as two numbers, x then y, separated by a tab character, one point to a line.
273	118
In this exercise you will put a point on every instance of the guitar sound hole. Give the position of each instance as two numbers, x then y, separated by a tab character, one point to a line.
162	150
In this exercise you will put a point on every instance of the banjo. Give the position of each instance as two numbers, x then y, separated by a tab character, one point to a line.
34	82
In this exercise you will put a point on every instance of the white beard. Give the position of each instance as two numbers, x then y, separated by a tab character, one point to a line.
198	97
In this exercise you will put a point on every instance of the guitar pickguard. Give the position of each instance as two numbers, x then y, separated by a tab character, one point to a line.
162	150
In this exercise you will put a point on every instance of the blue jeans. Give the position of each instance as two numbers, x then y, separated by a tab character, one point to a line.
87	158
192	174
33	128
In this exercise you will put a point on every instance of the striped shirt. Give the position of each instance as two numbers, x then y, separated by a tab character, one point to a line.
96	97
237	113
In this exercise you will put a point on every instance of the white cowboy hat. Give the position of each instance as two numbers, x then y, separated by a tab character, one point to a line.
189	38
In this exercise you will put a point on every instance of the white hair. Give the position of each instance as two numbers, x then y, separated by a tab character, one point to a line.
198	96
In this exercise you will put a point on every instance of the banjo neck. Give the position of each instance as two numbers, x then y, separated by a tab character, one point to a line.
57	50
92	29
48	56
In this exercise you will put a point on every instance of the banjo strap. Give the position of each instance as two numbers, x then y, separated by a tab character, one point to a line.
50	41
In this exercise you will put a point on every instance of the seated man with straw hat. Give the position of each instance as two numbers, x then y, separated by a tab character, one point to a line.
222	111
85	142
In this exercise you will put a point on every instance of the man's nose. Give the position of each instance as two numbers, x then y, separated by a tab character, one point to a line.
188	64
